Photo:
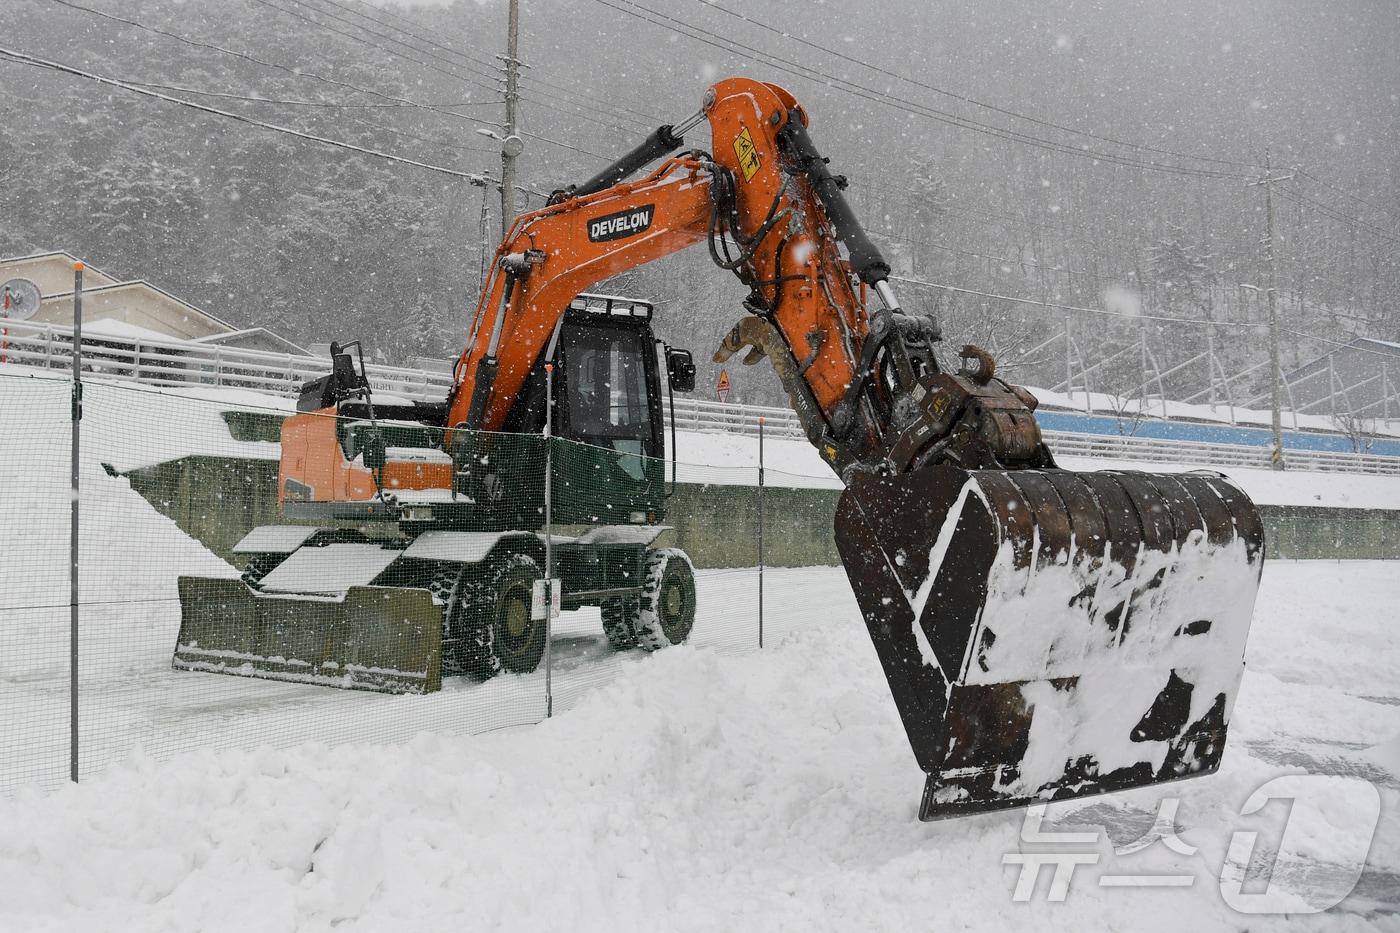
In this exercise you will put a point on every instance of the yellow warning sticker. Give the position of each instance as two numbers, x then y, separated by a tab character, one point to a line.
747	153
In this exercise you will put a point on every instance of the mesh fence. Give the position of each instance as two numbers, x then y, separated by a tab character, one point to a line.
34	614
239	584
222	601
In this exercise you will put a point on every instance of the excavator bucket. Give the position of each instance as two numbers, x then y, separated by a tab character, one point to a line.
1049	634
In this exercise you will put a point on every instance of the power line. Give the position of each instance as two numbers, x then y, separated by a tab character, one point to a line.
454	74
22	58
630	115
363	41
564	145
471	63
299	73
1338	343
699	34
578	111
713	5
1336	214
1253	325
466	59
1347	194
1004	260
295	72
381	130
607	107
284	102
1064	307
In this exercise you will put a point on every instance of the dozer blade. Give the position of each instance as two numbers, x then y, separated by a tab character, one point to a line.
1049	634
385	639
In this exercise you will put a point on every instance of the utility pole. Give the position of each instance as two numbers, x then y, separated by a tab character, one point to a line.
511	146
1270	271
484	230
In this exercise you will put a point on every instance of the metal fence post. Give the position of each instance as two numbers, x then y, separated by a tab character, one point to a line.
1069	369
548	540
760	531
76	416
1385	393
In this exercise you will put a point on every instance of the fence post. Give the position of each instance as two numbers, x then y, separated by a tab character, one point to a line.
548	540
76	416
1332	385
1069	368
1210	367
1385	393
760	531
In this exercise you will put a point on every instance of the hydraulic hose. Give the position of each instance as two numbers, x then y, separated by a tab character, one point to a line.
866	258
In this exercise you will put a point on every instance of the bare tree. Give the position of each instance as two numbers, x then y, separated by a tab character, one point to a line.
1360	432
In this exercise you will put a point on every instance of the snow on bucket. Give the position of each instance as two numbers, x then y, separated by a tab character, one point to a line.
1049	634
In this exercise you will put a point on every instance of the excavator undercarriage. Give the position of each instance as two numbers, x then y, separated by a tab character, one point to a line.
1045	633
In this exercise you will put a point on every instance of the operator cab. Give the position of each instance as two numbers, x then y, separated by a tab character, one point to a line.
608	399
607	384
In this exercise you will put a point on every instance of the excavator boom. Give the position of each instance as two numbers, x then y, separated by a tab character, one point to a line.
1045	633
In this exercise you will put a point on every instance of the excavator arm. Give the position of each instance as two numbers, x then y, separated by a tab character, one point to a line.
1044	633
771	212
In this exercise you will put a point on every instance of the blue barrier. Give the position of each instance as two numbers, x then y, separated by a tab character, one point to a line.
1206	433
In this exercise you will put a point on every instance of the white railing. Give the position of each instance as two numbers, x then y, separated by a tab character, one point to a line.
1224	455
181	363
699	415
696	414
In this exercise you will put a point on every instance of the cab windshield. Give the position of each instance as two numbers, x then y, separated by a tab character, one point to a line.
606	382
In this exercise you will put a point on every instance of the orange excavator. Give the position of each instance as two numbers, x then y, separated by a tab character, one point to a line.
1045	633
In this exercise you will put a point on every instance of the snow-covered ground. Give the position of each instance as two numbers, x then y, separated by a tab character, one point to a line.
706	789
710	786
707	786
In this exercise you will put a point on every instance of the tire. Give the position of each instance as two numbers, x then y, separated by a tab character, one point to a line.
489	629
619	622
667	611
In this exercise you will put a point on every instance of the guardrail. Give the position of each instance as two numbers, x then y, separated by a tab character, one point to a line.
187	363
699	415
174	363
1223	455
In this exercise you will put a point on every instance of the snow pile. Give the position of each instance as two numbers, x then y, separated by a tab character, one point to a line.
695	792
129	554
